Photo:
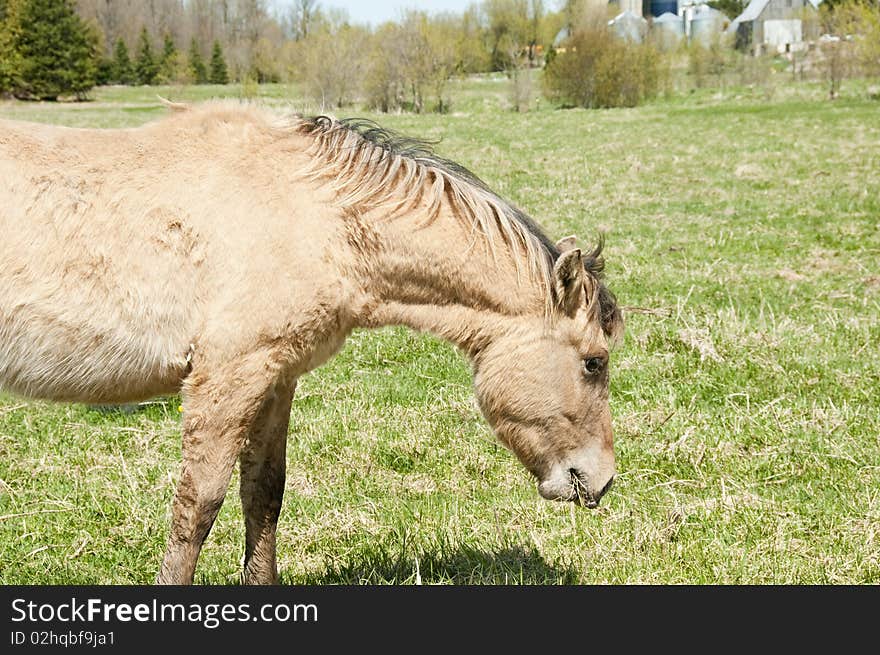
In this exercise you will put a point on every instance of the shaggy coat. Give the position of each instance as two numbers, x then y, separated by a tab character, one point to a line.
223	252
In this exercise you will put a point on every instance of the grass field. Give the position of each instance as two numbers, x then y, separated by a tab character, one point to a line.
743	232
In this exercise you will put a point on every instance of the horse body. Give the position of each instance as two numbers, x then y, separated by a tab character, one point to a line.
126	249
223	252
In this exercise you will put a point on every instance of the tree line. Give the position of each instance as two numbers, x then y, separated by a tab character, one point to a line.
64	47
168	66
50	48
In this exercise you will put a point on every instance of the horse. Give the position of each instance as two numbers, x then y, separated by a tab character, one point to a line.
224	250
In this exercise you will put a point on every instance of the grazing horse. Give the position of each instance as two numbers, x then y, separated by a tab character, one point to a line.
224	251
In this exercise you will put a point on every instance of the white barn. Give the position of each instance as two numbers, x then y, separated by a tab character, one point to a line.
774	25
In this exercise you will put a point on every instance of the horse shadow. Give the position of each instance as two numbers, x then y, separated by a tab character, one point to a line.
462	565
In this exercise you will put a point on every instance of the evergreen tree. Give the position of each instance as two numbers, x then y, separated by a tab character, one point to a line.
146	67
103	64
104	71
10	60
197	64
122	69
168	66
57	55
169	50
219	73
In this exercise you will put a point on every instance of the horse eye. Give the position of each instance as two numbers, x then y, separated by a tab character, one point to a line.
592	365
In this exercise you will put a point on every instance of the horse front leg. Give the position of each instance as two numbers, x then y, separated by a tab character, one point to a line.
220	409
263	464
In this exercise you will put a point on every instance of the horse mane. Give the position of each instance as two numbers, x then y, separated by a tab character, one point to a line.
375	167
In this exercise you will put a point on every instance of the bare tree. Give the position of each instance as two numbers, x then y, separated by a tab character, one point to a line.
471	53
334	64
422	55
385	81
520	90
300	18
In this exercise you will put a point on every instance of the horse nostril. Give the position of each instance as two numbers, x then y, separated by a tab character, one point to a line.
580	490
605	488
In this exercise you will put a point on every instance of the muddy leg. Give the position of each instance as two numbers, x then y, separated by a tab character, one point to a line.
219	411
262	485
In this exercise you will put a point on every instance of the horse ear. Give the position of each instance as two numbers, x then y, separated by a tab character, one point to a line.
568	281
566	243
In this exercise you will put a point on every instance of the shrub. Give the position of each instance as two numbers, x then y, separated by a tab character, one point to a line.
333	66
598	69
250	87
408	65
172	66
385	80
709	61
857	22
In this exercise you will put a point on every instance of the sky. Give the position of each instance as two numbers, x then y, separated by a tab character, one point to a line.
375	12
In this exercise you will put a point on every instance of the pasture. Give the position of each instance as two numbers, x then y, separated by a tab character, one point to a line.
742	237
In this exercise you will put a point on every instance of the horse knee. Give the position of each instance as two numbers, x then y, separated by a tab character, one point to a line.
197	503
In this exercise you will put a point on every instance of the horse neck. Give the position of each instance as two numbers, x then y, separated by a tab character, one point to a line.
434	272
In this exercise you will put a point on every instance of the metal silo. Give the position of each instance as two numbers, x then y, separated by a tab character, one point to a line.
668	31
707	25
629	26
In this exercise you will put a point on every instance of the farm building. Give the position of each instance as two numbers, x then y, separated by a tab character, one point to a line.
629	26
673	20
772	25
705	24
634	6
677	20
668	30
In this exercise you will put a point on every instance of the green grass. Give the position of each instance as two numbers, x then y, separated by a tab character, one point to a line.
743	232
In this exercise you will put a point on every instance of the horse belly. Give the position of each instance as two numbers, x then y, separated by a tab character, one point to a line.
69	333
65	360
96	305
